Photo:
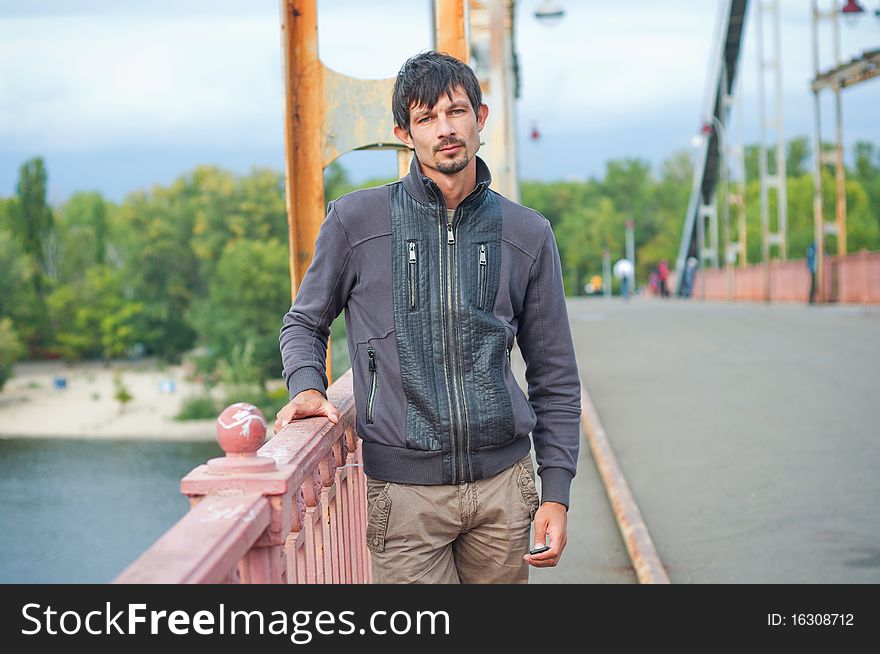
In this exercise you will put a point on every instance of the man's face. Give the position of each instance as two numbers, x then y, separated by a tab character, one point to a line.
446	136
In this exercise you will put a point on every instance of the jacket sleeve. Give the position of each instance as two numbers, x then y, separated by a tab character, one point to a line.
545	341
322	295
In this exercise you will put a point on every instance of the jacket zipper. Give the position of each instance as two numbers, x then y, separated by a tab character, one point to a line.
456	352
482	275
373	380
449	257
449	340
413	274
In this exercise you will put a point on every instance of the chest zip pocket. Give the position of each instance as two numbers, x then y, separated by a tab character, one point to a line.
413	275
373	381
482	277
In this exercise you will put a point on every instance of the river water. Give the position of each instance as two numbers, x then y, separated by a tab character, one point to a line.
80	511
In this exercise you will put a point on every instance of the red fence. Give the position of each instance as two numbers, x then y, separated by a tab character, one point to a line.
854	278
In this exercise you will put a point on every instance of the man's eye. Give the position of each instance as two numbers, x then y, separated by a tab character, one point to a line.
425	119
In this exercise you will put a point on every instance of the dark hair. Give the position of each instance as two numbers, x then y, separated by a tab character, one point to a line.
424	77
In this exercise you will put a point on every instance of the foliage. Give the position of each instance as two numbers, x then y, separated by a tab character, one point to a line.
199	407
245	301
32	220
91	318
19	300
10	350
121	393
203	262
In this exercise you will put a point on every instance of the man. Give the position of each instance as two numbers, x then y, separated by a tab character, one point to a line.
811	267
623	270
662	276
690	272
437	274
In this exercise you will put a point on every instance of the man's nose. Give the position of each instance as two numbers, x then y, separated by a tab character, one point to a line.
445	127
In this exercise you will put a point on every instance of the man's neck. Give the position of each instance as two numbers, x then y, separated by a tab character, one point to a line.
455	187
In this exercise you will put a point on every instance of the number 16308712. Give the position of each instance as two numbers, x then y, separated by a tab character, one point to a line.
811	620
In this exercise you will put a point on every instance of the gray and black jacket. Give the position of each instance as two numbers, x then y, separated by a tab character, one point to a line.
431	312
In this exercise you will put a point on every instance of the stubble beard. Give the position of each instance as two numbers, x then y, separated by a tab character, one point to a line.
454	166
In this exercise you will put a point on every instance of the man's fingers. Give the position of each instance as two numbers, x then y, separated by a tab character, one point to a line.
331	412
291	412
540	532
550	532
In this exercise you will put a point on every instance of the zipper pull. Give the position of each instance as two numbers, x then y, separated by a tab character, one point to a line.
372	359
450	237
482	254
412	251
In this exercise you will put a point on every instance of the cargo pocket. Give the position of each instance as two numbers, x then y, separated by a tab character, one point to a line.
527	487
379	508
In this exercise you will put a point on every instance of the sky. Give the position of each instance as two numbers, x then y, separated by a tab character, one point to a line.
121	96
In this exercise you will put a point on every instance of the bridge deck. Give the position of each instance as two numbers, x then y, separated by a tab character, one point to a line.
748	435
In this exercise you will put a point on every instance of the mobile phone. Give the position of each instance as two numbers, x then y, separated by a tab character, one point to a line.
538	550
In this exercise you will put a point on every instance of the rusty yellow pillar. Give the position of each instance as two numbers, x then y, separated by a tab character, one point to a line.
452	28
303	123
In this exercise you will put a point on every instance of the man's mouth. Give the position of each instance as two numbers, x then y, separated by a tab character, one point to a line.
450	148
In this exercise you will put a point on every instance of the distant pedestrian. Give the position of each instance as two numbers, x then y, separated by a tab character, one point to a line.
623	270
690	271
811	265
662	276
653	282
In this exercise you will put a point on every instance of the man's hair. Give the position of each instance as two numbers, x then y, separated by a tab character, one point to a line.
424	77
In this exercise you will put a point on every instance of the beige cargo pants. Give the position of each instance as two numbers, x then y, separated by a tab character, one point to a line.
471	533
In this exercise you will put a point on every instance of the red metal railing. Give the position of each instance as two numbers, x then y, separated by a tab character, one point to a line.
292	511
854	278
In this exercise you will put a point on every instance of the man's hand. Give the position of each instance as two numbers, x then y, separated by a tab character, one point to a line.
550	524
307	403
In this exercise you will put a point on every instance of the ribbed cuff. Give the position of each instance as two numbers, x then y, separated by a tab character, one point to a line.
305	378
556	485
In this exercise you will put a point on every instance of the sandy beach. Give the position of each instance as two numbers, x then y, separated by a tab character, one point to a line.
31	406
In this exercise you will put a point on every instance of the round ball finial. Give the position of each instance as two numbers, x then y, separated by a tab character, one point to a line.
241	430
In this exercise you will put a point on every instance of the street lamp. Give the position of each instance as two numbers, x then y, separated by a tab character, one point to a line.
852	11
550	13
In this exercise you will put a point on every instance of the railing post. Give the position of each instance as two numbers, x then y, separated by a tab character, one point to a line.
241	430
292	510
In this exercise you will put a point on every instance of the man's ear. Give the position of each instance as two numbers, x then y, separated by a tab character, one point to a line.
482	114
403	136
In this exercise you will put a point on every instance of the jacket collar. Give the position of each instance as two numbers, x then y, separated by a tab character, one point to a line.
423	188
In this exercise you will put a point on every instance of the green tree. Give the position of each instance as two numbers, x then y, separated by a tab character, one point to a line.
797	162
867	173
18	296
583	235
160	268
91	318
245	301
32	219
83	233
11	350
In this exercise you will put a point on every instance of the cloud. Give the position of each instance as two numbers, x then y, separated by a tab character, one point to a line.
201	80
77	82
605	64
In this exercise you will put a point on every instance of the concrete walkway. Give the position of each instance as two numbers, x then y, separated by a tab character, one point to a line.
749	435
